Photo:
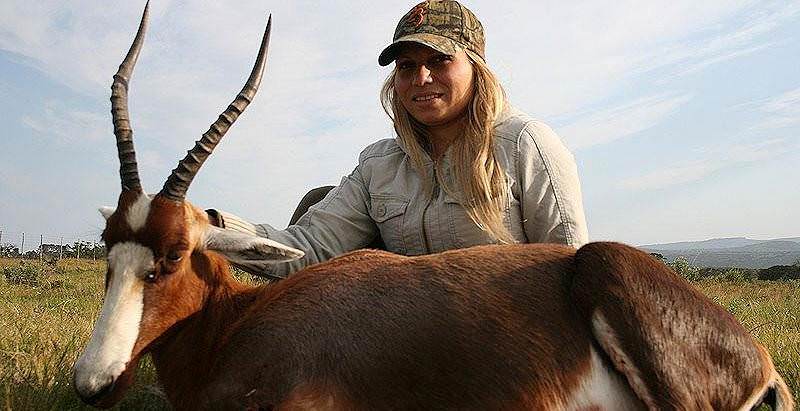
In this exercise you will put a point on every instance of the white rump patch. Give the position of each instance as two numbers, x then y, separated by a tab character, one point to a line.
610	343
138	212
117	329
603	388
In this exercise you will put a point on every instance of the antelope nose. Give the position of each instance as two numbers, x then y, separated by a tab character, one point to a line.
93	395
94	399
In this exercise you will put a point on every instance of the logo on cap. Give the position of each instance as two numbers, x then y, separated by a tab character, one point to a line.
417	15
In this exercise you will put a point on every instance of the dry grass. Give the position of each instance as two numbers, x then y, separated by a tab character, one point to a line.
771	312
43	328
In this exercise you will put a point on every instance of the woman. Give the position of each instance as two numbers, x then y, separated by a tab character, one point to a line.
465	167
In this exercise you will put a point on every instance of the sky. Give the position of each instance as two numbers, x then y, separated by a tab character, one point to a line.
683	115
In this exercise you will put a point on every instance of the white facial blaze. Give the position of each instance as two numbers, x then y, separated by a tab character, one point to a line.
138	212
117	329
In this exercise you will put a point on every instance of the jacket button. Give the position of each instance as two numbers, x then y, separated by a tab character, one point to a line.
381	210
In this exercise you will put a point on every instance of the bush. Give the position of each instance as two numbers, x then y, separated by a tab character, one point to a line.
780	272
682	267
25	273
738	274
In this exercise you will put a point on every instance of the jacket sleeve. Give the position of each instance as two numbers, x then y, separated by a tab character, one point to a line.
337	224
551	202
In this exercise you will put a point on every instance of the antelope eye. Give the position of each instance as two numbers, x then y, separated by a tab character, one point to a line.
150	277
174	256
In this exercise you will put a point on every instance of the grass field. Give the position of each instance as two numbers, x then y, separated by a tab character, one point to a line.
44	325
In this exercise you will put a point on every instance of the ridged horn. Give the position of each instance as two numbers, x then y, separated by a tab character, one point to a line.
128	170
178	182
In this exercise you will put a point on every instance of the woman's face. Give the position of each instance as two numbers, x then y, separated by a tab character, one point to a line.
435	88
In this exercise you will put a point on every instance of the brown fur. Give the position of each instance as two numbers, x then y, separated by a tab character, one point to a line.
398	333
490	327
689	352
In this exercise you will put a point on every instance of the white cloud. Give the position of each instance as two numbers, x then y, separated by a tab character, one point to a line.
781	111
774	113
556	57
59	121
709	161
318	107
704	46
565	56
788	102
614	123
670	176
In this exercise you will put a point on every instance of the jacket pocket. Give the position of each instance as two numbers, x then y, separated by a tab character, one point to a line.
463	231
467	233
388	213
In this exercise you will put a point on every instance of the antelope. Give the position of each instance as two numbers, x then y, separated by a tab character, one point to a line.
524	326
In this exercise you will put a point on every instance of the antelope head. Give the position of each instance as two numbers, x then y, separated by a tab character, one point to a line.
160	248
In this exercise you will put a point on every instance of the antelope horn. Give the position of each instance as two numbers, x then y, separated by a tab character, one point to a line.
178	182
128	170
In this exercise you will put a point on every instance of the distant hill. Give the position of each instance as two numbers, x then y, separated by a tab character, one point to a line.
775	245
732	252
715	244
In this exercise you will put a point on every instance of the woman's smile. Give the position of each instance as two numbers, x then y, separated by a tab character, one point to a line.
427	98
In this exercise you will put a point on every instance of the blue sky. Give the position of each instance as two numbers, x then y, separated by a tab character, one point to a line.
684	116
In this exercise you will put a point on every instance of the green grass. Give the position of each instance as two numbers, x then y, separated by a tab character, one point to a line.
44	326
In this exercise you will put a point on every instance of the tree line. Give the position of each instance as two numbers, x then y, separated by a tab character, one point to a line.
78	249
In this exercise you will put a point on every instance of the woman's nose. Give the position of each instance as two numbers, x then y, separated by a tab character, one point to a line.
423	76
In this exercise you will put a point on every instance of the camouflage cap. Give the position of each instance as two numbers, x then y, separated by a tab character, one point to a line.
443	25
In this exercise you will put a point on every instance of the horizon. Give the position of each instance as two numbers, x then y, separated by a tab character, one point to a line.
684	117
726	238
32	244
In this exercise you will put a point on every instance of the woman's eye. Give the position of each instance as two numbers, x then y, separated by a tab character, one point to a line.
405	64
440	60
174	256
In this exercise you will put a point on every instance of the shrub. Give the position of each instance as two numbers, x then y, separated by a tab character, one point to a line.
780	272
738	274
682	267
25	273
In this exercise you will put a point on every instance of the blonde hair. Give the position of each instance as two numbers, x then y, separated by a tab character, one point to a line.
478	175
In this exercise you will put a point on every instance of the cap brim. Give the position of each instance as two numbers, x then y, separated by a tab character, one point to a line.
438	43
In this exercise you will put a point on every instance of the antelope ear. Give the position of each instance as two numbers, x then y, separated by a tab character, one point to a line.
106	211
246	249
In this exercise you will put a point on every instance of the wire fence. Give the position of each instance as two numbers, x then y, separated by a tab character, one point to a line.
18	244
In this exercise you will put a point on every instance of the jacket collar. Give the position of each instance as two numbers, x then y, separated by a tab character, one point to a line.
509	111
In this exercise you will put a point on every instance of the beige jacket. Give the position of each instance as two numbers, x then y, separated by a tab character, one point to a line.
385	195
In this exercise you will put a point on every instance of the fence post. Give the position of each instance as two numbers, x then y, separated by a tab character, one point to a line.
61	250
22	248
41	247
